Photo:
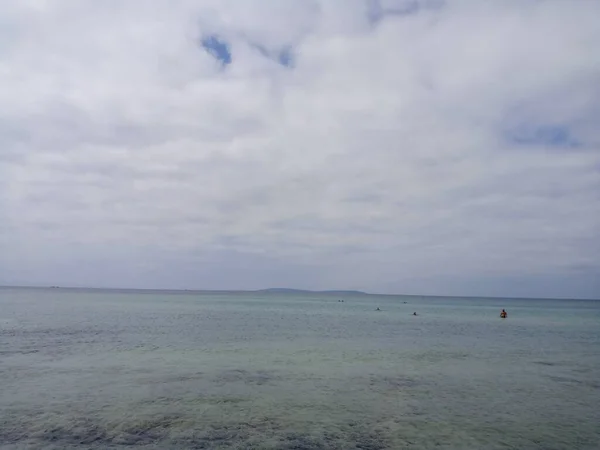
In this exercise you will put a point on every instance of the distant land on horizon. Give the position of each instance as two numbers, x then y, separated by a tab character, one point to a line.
307	291
267	290
289	291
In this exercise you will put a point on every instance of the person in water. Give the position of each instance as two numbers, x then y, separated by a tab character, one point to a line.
414	314
503	314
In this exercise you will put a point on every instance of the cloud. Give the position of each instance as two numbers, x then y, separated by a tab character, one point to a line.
393	146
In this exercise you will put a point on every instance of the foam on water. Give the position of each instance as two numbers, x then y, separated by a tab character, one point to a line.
100	369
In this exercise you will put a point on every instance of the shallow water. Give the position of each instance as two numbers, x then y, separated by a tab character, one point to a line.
153	370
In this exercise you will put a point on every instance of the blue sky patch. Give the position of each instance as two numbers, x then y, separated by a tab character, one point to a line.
283	56
377	11
548	135
218	48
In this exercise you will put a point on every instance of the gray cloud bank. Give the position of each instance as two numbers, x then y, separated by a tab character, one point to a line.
391	146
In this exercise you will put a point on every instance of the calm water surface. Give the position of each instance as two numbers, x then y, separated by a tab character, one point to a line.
158	370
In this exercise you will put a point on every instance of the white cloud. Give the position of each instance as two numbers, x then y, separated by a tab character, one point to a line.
391	156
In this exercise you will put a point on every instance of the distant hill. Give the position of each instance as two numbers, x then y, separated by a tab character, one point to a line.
304	291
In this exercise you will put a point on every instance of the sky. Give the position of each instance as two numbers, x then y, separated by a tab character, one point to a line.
392	146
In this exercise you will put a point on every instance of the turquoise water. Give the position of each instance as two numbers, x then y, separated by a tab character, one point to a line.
153	370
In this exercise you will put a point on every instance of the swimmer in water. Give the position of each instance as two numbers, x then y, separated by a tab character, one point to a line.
414	314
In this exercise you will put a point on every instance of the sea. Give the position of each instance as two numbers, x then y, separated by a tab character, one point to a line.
116	369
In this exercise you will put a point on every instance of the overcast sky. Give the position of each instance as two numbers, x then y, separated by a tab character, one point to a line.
393	146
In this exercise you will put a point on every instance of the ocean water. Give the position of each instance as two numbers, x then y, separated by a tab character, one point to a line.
99	369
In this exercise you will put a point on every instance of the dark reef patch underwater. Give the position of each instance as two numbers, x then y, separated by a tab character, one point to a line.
172	431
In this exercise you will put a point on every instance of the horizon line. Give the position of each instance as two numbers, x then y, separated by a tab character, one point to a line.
282	290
